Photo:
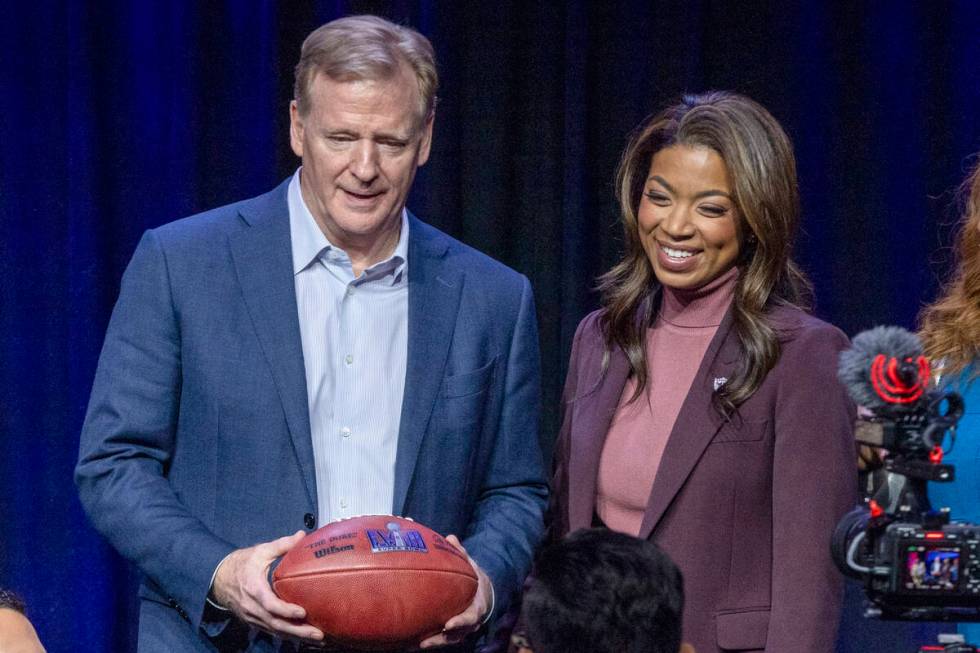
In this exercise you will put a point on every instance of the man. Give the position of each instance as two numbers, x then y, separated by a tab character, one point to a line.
599	591
312	354
17	634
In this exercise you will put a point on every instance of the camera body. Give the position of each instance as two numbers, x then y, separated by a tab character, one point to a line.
928	569
915	564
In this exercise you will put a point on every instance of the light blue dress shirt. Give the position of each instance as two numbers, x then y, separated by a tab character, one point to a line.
355	336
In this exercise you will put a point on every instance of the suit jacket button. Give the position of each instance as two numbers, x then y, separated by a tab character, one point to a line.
309	520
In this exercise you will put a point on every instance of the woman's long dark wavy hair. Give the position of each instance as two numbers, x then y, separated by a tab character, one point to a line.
760	163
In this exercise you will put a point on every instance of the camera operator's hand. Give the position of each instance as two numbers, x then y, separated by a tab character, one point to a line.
869	458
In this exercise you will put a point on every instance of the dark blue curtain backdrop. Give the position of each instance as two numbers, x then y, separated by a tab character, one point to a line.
120	116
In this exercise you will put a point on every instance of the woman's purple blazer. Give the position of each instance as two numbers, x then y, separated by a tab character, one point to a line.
745	507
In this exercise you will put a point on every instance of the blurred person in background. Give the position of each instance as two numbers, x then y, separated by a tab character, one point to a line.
950	333
599	591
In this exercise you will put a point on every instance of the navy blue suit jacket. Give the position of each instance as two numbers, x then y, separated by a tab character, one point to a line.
197	438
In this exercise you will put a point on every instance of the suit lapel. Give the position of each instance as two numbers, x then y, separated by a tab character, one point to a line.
696	425
434	289
263	260
592	415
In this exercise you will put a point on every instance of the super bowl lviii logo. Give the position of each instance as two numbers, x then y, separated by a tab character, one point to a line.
393	538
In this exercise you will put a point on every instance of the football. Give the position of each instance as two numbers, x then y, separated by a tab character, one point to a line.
376	582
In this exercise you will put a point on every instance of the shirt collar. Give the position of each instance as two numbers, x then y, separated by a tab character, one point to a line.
309	242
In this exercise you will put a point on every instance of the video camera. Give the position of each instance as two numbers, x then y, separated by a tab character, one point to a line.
915	563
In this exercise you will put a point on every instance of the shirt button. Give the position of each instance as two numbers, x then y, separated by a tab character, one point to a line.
349	359
345	432
343	503
309	520
350	290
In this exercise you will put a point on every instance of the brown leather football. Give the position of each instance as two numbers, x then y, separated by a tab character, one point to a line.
376	582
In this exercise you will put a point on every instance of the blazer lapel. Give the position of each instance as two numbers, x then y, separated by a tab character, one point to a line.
434	289
696	425
592	415
262	255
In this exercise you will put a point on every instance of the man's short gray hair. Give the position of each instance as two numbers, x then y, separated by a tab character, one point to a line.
366	48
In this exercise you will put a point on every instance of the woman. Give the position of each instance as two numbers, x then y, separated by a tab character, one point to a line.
951	336
701	407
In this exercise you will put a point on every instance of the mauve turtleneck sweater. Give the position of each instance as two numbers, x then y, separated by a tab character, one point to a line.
675	346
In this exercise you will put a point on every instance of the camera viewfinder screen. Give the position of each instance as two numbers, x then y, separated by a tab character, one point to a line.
931	568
